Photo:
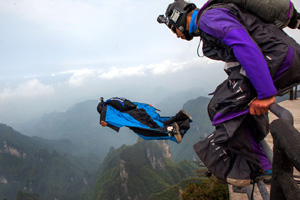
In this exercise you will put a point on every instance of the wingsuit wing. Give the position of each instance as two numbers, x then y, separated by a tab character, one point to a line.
143	119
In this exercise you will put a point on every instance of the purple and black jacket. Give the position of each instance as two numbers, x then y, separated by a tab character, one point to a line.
264	51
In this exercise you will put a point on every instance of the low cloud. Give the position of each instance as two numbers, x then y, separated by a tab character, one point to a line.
166	67
28	90
115	72
81	76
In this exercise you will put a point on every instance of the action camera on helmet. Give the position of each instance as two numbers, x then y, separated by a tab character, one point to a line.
175	16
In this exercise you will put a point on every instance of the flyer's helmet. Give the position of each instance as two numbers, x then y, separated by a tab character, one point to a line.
175	16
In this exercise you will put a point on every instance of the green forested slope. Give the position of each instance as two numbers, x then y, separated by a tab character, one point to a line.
139	170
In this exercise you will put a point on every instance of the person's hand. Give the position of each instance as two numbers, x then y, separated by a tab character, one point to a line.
261	106
103	123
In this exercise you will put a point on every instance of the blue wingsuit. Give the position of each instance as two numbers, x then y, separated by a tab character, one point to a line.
141	118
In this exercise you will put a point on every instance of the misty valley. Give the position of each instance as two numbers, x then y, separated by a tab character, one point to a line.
69	156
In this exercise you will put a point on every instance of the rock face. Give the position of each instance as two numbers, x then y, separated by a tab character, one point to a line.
124	177
12	151
156	163
159	162
3	180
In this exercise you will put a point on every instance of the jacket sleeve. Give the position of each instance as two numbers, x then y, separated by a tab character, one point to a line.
103	113
103	118
220	23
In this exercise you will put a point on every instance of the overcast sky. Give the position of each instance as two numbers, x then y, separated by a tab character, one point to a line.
55	53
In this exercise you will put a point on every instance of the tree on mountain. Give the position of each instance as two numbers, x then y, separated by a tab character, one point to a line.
27	196
209	188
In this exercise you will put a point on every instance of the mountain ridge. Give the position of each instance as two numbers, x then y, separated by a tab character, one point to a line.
26	166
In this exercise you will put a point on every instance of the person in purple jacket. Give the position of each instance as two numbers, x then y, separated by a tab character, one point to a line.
261	61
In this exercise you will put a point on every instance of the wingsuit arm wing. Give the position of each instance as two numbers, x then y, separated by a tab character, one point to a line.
103	118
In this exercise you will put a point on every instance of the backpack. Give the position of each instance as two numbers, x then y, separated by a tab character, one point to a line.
278	12
120	103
